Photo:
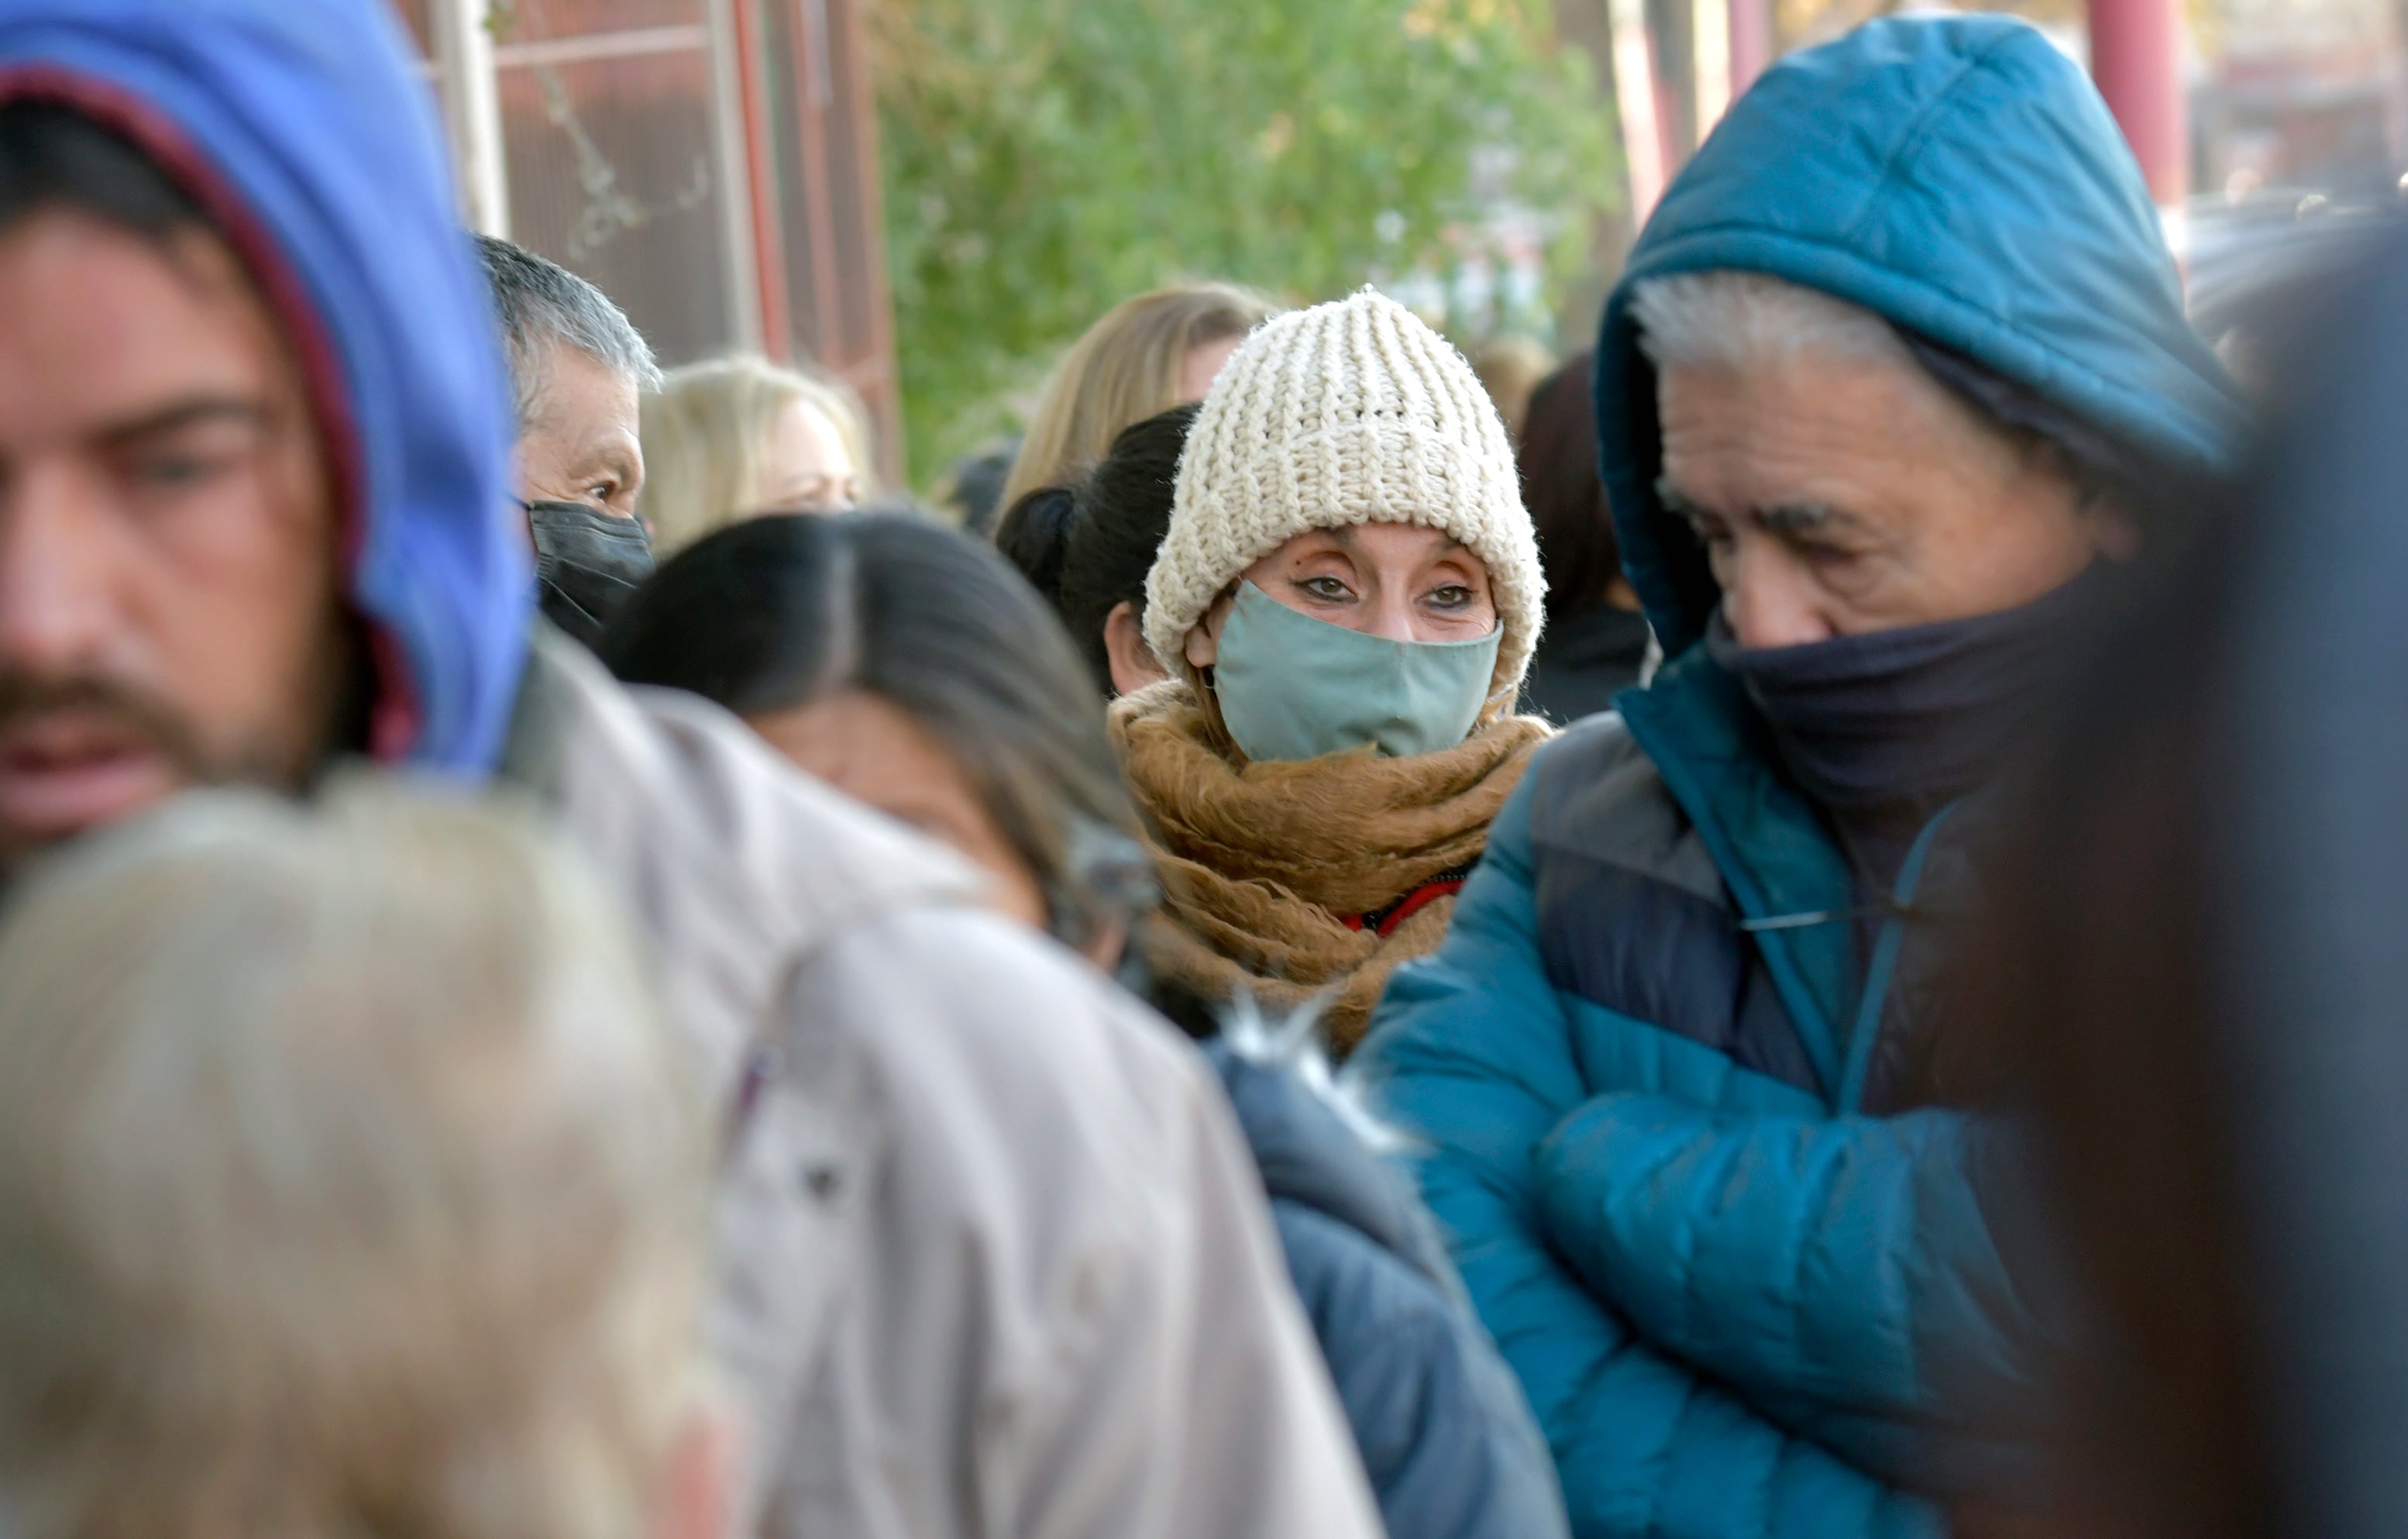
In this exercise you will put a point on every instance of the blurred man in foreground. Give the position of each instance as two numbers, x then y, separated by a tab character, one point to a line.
1874	393
364	1193
254	517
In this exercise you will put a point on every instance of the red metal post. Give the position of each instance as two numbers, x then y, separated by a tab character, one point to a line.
806	32
2136	58
874	376
760	173
1644	140
1751	43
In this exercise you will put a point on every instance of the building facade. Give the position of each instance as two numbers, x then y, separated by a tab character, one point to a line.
712	165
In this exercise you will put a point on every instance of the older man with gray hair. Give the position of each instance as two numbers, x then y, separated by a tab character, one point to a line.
1900	358
578	371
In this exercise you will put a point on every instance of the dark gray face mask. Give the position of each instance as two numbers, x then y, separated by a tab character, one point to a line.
1911	718
586	563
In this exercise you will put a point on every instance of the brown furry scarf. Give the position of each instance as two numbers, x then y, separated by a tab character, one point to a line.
1260	861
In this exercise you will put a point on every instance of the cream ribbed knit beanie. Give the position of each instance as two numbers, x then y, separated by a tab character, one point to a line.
1347	413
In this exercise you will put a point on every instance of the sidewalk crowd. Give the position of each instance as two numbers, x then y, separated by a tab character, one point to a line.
572	968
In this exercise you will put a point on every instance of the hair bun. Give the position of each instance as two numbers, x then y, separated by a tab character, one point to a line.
1035	535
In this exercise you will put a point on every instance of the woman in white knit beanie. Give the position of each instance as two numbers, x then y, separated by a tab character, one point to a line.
1347	597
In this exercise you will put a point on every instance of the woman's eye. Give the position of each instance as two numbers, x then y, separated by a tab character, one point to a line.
816	493
1454	596
1326	587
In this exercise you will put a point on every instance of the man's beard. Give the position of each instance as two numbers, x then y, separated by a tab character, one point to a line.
152	726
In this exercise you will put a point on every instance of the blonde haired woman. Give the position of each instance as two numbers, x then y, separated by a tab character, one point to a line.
1348	594
734	437
1146	355
347	1185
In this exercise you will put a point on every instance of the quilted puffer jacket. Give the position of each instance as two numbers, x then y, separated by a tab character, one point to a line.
1739	1307
1446	1437
1751	1292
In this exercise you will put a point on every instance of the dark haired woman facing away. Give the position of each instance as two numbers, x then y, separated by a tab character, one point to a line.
1596	643
910	667
1088	547
902	664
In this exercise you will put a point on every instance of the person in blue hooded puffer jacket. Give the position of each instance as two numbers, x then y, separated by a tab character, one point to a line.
1875	394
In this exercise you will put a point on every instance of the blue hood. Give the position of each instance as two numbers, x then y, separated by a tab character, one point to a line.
301	126
1961	178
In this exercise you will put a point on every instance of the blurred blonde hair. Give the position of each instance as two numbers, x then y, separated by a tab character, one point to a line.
1510	369
347	1185
1123	370
703	433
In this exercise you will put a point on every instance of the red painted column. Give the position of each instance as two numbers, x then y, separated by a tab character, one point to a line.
760	173
2136	58
1751	43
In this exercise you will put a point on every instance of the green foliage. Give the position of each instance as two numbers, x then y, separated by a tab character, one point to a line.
1046	158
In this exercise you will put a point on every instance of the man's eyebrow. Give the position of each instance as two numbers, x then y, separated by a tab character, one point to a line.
183	414
1797	517
1781	518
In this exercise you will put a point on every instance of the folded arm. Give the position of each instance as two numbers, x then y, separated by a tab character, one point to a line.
1841	1273
1472	1054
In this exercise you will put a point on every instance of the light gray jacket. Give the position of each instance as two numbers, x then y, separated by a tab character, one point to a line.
995	1260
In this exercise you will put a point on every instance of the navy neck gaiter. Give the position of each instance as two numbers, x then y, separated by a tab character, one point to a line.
1896	724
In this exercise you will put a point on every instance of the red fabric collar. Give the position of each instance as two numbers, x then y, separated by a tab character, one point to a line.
1385	922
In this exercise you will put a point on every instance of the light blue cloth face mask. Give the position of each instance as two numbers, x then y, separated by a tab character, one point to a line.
1295	687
